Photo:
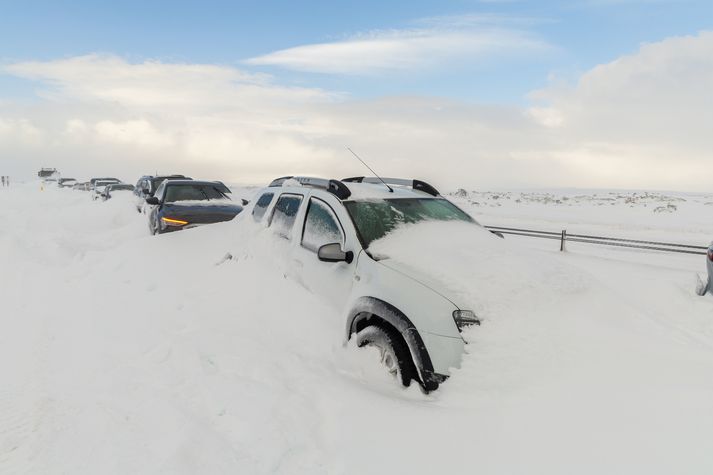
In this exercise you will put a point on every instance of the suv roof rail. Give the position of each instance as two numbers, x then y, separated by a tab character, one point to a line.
336	187
417	185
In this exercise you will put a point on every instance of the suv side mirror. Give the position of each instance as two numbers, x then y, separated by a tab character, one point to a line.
244	202
152	200
333	253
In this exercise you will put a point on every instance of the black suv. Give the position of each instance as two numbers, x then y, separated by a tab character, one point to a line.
184	204
147	186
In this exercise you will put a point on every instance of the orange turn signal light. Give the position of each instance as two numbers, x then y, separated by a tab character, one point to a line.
174	222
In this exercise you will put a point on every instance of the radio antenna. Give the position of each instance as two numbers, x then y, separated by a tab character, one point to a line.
391	190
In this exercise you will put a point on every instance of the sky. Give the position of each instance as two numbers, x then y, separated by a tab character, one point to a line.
481	94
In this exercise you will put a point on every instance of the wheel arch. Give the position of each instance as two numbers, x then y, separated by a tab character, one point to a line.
367	308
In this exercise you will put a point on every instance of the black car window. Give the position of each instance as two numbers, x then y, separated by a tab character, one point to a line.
284	213
261	206
154	183
192	192
321	226
120	187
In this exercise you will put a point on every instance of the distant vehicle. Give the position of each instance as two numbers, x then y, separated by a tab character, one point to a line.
48	174
93	181
183	204
147	186
414	320
83	186
100	185
110	190
66	182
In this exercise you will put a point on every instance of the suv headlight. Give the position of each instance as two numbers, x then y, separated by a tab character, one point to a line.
465	318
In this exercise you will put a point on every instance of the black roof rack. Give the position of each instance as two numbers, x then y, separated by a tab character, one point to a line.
336	187
417	185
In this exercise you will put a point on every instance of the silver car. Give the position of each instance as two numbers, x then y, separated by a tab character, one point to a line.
704	284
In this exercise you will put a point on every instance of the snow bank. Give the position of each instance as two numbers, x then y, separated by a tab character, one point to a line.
122	352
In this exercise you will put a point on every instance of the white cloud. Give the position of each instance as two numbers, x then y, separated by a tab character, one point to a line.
643	120
465	39
643	117
547	116
137	132
20	130
154	84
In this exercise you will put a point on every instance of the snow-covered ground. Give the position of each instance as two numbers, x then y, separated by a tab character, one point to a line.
126	353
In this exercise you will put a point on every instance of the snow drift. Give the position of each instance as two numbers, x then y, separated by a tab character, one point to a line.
126	353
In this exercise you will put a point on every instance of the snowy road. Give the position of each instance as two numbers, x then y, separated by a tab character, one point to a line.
126	353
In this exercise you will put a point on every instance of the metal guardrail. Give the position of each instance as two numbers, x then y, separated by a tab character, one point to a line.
563	237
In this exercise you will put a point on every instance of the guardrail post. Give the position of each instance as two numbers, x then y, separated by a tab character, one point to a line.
563	239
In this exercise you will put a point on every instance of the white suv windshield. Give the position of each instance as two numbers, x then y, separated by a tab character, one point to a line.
374	219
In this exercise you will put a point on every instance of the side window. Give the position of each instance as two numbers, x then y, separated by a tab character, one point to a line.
284	214
261	206
159	192
321	226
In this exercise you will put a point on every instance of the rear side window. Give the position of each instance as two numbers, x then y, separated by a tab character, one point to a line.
321	226
261	206
154	183
284	214
159	192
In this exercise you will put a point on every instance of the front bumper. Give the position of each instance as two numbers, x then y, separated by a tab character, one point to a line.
446	352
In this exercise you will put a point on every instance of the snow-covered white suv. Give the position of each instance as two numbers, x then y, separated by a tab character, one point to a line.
329	225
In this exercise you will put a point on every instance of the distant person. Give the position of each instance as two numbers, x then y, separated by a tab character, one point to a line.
3	180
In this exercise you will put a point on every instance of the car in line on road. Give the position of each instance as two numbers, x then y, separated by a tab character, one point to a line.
330	225
184	204
66	182
48	174
116	188
83	186
147	186
99	187
93	181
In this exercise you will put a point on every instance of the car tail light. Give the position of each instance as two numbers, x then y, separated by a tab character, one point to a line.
710	254
465	318
174	222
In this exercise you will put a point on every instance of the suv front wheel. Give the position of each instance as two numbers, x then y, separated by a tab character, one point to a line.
394	353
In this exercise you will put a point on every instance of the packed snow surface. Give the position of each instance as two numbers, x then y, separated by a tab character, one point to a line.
122	352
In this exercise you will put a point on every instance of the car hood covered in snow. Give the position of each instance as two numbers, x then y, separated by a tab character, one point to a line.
475	269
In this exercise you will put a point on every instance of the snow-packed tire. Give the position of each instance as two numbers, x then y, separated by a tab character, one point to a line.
702	284
395	355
